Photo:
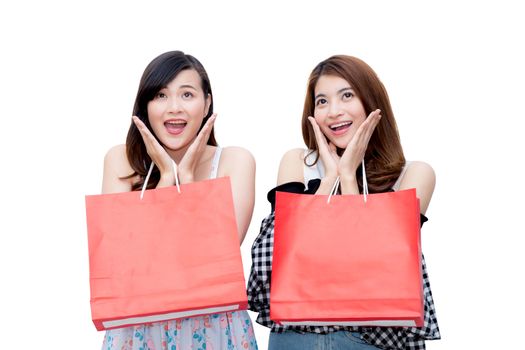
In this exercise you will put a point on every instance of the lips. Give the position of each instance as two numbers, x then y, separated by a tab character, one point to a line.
340	128
175	126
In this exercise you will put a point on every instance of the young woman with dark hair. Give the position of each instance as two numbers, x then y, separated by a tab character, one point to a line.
173	123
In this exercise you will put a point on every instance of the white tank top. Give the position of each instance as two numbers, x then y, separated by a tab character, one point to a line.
215	163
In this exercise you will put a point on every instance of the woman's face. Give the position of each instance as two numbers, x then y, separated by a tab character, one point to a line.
337	110
176	112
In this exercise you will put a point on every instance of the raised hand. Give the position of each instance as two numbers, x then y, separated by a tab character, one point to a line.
188	163
355	151
157	153
327	153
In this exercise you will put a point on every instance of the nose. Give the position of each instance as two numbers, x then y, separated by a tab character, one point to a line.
334	110
174	106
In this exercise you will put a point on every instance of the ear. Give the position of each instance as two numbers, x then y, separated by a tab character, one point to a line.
207	105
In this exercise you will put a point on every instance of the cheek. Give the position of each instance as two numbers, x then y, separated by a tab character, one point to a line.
359	111
319	115
196	109
154	110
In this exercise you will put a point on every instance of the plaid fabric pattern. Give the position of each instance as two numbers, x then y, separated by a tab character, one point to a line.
381	337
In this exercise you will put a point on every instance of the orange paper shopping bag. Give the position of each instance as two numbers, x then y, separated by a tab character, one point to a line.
165	256
349	260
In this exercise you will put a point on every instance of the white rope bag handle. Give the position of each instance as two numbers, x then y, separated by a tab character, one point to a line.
149	174
333	191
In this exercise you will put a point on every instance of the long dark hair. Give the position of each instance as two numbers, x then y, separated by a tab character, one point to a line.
384	158
157	75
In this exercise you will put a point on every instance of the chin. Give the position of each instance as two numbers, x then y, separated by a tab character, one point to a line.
175	146
341	144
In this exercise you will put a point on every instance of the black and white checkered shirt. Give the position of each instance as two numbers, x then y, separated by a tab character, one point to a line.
382	337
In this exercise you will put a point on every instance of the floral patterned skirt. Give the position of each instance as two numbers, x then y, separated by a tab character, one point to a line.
230	330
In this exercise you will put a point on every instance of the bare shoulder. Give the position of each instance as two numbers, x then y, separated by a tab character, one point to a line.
294	155
421	176
116	152
291	166
117	160
421	172
116	169
234	153
236	157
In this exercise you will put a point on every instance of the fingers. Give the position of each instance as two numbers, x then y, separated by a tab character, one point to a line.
366	129
333	148
202	137
372	121
193	152
147	136
356	149
374	117
139	124
205	133
327	152
319	136
156	152
333	152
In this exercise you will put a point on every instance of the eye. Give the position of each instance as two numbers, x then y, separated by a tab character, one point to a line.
187	94
160	95
320	101
348	95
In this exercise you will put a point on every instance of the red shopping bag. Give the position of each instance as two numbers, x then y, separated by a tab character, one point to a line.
165	256
347	262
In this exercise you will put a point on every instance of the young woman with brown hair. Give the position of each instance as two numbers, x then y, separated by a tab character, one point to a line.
347	117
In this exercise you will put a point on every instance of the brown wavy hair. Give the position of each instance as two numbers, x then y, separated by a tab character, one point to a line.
157	75
384	157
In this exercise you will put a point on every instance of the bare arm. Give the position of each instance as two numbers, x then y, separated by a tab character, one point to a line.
420	176
291	167
291	170
116	166
239	165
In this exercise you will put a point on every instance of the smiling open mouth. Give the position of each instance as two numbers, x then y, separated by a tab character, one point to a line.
341	126
175	127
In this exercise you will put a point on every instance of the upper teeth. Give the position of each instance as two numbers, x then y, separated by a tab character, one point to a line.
175	122
340	124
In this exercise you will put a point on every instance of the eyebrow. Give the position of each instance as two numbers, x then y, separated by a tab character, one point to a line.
338	92
187	86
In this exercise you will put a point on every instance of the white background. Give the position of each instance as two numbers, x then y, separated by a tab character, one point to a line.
68	77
